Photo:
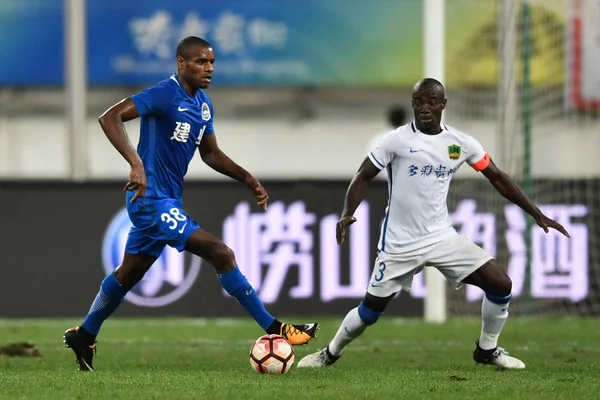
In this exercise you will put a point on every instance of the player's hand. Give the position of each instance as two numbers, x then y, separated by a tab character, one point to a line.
137	182
259	192
545	223
340	228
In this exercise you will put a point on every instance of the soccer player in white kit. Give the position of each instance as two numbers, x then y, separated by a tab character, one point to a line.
421	158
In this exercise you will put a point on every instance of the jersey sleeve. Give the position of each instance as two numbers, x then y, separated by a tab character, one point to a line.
384	151
477	157
210	129
154	100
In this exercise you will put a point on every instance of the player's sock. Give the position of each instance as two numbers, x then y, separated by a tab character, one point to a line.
353	325
494	312
236	284
107	300
274	328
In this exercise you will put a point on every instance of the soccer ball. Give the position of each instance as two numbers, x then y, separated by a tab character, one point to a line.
271	354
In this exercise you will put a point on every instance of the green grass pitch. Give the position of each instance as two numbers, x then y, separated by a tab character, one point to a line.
397	358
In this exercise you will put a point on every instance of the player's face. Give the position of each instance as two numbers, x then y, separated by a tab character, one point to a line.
197	70
428	107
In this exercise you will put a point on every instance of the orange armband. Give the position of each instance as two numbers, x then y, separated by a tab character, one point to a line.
481	164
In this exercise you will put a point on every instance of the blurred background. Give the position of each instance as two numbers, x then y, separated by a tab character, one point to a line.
302	91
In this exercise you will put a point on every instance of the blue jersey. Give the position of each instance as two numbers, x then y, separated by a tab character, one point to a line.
173	124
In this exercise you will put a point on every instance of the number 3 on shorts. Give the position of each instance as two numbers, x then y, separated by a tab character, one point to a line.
172	217
380	271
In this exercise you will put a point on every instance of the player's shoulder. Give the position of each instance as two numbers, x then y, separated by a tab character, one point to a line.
163	90
459	135
156	99
170	84
407	129
401	132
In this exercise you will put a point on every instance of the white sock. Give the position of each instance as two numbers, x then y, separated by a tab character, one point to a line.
351	328
493	318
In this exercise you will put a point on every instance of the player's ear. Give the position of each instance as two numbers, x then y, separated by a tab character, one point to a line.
444	103
180	62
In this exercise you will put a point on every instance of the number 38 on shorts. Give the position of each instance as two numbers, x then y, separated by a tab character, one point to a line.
173	225
157	223
174	218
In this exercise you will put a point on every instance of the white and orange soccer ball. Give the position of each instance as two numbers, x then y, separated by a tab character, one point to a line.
271	354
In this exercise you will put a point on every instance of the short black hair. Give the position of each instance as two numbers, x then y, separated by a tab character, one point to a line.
430	85
184	46
397	116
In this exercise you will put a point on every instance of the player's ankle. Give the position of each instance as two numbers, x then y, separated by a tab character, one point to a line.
331	356
275	328
87	337
487	343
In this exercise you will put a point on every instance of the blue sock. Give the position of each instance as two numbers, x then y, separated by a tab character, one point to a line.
367	315
107	300
237	286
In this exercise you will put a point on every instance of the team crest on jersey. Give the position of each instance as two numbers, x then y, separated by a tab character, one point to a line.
454	151
205	112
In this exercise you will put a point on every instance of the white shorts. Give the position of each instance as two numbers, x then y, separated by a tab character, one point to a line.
456	257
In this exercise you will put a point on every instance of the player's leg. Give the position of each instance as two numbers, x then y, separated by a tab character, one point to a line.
461	261
390	275
354	324
218	254
140	253
497	285
113	289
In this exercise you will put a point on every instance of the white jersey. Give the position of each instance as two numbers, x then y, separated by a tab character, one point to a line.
420	168
372	144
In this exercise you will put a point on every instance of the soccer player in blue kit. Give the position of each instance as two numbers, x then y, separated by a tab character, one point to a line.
177	117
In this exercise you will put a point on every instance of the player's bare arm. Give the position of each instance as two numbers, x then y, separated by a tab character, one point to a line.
112	125
354	196
508	188
215	158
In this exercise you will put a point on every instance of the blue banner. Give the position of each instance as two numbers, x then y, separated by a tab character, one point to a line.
259	42
31	39
256	42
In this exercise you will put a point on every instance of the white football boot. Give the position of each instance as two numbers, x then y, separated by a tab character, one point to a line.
322	358
498	357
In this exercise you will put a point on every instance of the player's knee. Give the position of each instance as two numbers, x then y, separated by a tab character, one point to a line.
502	287
133	269
224	258
506	285
367	315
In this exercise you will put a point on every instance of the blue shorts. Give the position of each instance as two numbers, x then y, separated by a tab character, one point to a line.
157	223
